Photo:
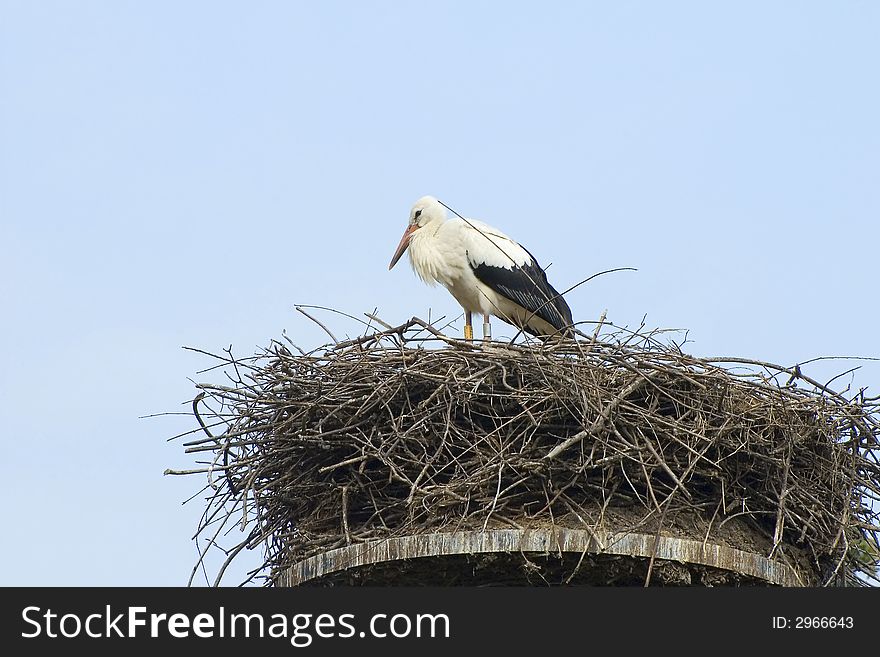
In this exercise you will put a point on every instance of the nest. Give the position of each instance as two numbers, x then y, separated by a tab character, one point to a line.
405	431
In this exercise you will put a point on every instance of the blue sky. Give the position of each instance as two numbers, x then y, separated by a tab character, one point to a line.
183	173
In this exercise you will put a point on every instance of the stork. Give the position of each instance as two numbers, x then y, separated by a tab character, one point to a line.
485	270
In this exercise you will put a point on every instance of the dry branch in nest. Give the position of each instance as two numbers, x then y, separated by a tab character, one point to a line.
384	436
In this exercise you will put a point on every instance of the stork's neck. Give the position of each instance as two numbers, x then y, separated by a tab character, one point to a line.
427	233
433	224
428	253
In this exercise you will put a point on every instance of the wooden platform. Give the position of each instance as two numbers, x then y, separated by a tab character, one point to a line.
543	541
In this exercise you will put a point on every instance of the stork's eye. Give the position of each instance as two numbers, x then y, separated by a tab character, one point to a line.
417	215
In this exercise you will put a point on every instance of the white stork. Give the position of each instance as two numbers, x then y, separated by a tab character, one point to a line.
486	271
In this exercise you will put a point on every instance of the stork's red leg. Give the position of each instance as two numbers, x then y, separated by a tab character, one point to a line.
468	327
487	328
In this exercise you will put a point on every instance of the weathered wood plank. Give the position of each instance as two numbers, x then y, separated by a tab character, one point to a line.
542	540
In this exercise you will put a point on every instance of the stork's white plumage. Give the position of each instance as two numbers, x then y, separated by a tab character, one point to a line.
485	270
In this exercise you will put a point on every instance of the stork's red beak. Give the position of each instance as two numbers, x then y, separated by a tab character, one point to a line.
404	243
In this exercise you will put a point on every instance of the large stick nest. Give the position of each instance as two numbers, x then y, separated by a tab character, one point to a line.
385	436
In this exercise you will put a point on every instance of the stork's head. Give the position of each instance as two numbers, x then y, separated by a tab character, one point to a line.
426	210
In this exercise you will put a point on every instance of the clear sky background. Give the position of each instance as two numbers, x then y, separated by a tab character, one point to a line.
183	173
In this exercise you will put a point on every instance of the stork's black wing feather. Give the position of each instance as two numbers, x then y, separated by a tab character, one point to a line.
527	285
